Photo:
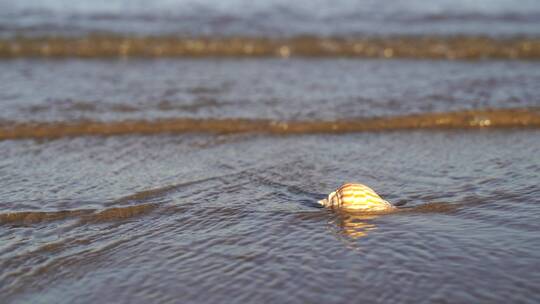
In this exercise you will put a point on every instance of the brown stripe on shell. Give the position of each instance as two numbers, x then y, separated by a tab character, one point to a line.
357	197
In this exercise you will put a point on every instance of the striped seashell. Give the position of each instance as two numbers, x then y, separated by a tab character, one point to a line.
356	198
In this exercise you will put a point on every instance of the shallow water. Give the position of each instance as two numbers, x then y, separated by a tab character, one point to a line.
133	172
196	218
442	29
294	89
209	216
270	18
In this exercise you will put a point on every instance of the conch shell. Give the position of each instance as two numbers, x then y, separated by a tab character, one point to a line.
353	197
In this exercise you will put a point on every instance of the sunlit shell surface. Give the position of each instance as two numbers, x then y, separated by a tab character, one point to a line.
356	197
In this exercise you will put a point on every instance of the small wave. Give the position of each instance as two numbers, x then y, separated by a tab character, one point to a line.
429	47
119	213
501	118
40	216
86	215
433	207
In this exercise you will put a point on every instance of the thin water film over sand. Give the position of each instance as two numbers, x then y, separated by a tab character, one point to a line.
207	218
175	151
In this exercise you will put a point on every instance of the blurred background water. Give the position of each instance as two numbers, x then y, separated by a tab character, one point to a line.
173	151
270	18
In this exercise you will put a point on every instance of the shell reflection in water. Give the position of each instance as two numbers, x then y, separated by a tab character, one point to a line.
354	225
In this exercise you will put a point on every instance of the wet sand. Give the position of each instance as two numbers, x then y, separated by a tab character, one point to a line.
421	47
508	118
